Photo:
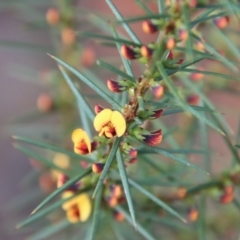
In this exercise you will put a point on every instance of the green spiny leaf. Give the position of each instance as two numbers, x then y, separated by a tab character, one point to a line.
51	148
125	182
156	200
41	159
96	213
125	25
89	83
140	228
182	102
48	231
109	161
116	70
114	39
86	107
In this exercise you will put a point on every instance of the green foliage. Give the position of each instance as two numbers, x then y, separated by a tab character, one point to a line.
160	94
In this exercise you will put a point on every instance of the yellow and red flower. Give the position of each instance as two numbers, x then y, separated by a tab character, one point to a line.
78	208
82	143
110	123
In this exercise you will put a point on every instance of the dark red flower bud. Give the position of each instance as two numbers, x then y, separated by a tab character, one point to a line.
128	52
157	113
148	27
227	198
180	61
133	152
114	86
97	167
170	55
153	139
146	51
132	160
193	99
98	108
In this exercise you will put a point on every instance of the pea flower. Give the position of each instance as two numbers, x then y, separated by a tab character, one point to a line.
78	208
82	143
110	123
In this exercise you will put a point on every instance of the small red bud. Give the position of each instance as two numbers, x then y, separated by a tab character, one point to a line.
193	99
181	192
148	27
44	102
154	138
128	52
170	55
114	86
112	202
119	216
146	51
97	167
222	22
132	160
157	113
192	3
116	191
183	35
98	108
193	214
158	91
170	43
196	76
133	152
62	179
227	198
52	16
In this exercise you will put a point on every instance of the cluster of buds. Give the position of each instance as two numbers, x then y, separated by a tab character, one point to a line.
131	152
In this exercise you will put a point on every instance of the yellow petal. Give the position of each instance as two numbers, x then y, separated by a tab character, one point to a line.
73	215
84	206
119	123
68	204
78	135
102	119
